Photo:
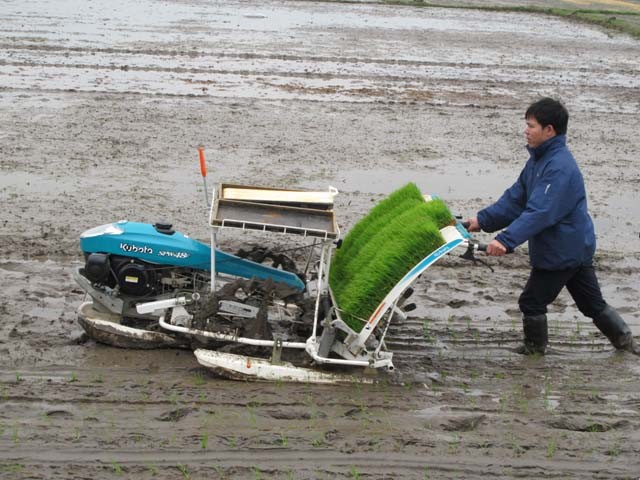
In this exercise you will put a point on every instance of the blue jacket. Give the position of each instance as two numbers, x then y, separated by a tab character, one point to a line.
548	207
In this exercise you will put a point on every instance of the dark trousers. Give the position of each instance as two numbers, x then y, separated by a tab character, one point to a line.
543	287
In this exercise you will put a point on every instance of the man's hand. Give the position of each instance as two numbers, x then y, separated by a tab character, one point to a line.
474	226
496	249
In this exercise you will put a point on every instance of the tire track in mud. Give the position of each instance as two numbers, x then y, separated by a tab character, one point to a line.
313	77
624	81
156	54
308	464
461	395
334	429
19	55
460	400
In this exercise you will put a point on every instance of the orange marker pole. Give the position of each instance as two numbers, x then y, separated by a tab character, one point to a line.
203	171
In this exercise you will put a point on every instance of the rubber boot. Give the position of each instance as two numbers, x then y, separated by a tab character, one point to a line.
611	324
535	335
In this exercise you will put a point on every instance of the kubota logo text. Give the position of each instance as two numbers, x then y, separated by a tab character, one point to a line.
135	249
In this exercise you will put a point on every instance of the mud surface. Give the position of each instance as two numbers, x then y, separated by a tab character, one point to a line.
102	106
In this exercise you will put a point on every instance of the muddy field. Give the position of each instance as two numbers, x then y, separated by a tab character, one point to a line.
102	107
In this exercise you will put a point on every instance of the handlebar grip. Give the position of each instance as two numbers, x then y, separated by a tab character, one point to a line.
482	247
466	224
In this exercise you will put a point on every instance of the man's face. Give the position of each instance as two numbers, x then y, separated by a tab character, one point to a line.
536	134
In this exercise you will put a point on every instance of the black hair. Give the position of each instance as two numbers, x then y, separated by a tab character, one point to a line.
548	111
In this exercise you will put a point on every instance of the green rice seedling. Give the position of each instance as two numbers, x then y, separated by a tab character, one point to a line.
153	470
395	240
382	248
365	229
377	218
615	449
318	442
547	396
453	445
439	213
518	450
198	379
354	473
257	473
174	398
251	411
503	403
552	447
426	332
387	208
381	265
12	468
117	469
183	470
372	226
219	470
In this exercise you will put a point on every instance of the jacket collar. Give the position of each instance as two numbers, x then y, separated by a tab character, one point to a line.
540	150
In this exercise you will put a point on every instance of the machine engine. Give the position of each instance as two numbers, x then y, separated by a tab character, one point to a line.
129	262
132	276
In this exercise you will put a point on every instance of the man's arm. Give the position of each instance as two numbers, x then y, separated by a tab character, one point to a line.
554	197
505	210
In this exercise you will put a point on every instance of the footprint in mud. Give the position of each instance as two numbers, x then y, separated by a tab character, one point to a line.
175	415
59	414
484	296
464	424
576	424
457	303
292	415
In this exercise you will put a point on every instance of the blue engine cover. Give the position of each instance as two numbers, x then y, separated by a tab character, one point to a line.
143	241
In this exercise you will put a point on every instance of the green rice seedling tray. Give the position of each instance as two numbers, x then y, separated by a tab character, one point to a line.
382	248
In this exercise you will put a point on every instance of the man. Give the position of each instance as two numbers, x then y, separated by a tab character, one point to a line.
547	206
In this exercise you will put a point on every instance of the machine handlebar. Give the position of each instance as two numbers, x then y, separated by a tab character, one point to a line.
474	246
